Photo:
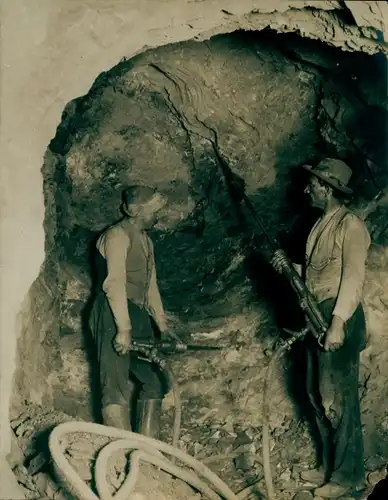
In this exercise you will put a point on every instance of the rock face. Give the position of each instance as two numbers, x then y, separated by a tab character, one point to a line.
270	104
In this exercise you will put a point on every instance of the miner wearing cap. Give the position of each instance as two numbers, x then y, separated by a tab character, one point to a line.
128	307
334	271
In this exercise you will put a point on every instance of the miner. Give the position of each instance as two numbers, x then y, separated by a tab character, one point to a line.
128	306
334	271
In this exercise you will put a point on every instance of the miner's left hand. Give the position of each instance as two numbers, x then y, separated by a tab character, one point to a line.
335	335
166	323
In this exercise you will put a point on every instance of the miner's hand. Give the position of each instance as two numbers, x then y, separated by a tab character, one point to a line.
277	259
335	335
167	323
122	342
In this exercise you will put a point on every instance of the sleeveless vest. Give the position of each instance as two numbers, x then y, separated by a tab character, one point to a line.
139	265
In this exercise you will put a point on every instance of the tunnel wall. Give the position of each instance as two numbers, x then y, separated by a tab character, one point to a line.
274	103
51	54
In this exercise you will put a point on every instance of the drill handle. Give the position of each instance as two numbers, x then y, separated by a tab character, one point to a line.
316	323
172	347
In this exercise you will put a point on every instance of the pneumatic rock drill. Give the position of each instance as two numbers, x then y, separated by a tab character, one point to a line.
315	323
314	320
171	347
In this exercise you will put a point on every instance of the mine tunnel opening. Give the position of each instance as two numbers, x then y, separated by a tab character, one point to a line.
273	102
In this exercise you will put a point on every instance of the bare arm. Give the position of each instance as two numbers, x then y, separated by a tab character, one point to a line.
356	242
155	301
115	247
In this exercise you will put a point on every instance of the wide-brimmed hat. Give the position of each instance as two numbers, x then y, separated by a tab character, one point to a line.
334	172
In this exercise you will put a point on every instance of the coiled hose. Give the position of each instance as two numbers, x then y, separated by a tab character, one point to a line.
151	450
266	417
147	449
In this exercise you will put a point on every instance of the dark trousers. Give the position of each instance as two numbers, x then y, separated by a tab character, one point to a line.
332	387
122	376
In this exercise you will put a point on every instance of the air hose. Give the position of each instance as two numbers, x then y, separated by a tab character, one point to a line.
147	449
282	349
152	451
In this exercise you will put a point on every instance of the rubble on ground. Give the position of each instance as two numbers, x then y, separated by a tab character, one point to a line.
232	452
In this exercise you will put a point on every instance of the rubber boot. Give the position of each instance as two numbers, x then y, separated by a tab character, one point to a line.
116	416
148	417
314	476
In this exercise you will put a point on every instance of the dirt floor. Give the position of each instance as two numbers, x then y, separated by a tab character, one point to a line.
240	468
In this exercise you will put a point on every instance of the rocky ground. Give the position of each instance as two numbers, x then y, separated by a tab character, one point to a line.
234	455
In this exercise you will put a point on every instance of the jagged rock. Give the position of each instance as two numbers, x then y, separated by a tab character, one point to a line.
303	495
216	436
197	448
16	455
285	475
33	426
37	463
83	467
24	478
374	462
186	438
246	448
229	428
296	470
244	463
226	444
51	488
41	481
375	477
242	439
61	495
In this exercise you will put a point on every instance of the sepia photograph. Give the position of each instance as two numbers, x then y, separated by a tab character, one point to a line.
194	250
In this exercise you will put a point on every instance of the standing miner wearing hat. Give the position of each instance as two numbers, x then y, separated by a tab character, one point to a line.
334	271
127	298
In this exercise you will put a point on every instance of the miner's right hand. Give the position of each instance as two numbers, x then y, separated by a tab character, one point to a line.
277	260
122	342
